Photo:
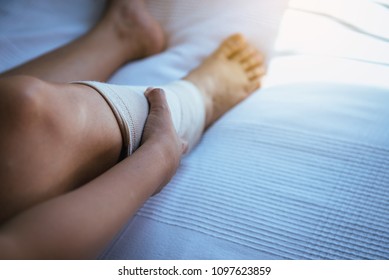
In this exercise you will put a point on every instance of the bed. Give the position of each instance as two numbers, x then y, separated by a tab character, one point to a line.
300	170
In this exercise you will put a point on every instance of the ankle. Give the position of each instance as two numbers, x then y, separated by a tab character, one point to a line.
200	83
107	34
136	32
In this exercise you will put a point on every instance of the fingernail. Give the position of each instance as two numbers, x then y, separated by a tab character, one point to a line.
148	90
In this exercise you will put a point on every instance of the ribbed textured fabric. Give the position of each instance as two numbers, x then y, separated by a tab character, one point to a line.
288	203
353	224
309	180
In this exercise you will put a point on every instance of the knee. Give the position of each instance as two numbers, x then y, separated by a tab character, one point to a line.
22	100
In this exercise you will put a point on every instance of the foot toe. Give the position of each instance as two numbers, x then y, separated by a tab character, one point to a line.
235	39
231	45
244	54
252	62
255	73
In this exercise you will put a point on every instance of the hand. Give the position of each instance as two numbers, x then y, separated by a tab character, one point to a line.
160	133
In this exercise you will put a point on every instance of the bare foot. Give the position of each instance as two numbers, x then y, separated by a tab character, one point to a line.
141	33
228	76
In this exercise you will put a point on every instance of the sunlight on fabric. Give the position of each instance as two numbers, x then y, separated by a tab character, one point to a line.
354	29
332	40
313	34
365	15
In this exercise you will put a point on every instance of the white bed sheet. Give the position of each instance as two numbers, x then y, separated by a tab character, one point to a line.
343	41
298	171
295	172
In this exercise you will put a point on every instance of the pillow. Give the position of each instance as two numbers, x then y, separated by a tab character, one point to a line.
29	28
195	28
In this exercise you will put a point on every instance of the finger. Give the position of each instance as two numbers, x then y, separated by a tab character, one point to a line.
148	89
157	99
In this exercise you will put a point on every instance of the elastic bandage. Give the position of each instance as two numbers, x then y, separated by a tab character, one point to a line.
131	108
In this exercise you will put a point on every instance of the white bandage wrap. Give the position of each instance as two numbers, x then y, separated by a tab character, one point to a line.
131	109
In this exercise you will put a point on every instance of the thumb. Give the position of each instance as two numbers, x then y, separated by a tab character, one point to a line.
157	99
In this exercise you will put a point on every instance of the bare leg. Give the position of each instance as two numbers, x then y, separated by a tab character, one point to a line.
59	136
126	32
91	215
55	137
228	76
80	223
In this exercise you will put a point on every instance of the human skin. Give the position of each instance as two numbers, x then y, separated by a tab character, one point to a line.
78	224
62	182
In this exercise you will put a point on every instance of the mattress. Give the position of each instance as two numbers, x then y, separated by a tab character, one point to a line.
300	170
295	172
